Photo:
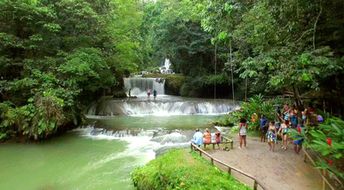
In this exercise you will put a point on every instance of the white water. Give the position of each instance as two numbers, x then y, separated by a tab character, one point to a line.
143	144
139	86
162	107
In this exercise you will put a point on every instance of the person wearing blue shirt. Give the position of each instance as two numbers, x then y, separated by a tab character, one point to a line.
197	138
263	128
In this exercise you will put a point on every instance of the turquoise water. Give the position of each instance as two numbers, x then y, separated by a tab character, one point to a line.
92	159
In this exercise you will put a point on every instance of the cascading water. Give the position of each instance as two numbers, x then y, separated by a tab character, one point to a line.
162	107
139	86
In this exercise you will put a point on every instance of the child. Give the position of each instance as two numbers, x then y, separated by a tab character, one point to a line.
271	134
242	132
218	138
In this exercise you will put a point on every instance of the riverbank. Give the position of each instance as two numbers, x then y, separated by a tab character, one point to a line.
180	169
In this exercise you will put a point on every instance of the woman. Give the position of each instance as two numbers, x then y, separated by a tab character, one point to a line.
206	137
242	132
218	138
271	135
284	130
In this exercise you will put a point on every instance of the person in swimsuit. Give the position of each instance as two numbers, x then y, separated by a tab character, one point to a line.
272	136
242	132
284	130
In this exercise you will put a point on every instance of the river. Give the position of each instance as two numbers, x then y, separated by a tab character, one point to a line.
102	154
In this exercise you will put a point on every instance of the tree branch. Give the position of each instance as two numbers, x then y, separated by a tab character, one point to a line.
315	25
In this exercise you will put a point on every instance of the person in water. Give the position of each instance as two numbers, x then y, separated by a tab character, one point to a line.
148	92
206	137
197	138
154	93
272	136
242	132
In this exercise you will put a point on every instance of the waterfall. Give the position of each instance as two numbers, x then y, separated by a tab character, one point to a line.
139	86
162	108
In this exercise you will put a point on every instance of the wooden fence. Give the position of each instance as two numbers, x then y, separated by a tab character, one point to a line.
334	183
229	169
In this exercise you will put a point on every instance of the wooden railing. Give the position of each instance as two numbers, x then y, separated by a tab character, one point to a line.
325	181
228	168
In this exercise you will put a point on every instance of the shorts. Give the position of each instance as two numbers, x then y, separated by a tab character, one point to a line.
298	142
242	135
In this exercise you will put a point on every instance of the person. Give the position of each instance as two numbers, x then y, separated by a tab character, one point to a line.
293	119
320	119
154	93
272	136
129	93
197	138
218	138
254	117
298	140
242	132
263	128
284	130
206	137
148	92
303	118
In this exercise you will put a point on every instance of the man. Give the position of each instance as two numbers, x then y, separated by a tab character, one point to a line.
154	93
263	128
197	138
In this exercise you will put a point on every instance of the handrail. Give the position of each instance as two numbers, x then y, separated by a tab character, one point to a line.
212	160
325	180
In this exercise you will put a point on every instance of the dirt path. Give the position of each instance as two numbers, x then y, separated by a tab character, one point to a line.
280	170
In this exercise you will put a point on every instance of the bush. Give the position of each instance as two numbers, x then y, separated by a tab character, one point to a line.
257	105
328	140
178	169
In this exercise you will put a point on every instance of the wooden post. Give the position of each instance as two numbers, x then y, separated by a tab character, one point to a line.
200	153
231	144
255	185
212	161
323	185
229	171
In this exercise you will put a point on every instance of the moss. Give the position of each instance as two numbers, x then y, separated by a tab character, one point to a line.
119	94
179	169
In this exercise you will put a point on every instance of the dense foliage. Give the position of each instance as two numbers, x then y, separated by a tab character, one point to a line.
270	47
327	139
178	169
56	56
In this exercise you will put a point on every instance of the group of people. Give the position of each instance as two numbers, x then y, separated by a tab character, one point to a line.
205	138
154	93
288	118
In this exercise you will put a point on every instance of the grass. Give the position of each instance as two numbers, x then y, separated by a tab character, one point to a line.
180	169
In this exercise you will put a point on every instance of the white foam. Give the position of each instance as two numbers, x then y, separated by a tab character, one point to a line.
141	146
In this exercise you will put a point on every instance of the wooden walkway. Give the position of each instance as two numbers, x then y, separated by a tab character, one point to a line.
282	170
